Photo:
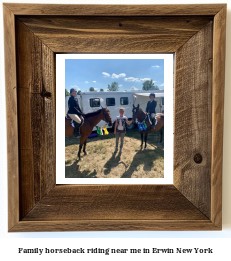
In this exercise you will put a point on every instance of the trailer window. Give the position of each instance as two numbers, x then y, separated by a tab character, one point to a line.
95	102
162	101
110	101
124	100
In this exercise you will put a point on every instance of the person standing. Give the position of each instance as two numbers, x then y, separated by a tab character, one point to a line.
74	112
120	129
151	109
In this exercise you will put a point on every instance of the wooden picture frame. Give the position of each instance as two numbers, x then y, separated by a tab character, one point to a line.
33	34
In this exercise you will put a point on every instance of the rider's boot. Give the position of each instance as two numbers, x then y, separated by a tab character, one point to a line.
77	126
153	124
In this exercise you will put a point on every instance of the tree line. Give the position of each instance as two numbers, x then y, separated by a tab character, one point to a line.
147	85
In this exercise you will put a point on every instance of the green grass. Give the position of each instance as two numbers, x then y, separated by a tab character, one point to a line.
102	162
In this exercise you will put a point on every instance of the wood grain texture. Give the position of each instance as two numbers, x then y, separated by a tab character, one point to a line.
218	114
48	165
113	202
11	117
114	10
193	113
114	225
29	190
114	207
75	25
36	118
195	202
115	34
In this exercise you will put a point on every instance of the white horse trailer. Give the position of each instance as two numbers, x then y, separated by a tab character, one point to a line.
92	101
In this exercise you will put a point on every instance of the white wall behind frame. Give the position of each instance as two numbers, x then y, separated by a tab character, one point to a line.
225	233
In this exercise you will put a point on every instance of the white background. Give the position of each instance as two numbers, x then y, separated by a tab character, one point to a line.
220	241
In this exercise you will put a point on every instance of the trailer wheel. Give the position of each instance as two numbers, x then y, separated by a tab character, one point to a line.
131	126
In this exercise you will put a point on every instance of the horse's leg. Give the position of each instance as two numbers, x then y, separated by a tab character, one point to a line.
141	136
80	146
145	139
84	147
161	134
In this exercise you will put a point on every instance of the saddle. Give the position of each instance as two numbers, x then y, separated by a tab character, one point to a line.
159	116
73	123
156	118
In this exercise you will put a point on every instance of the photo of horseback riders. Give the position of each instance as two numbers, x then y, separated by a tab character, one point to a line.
149	120
74	112
115	131
151	108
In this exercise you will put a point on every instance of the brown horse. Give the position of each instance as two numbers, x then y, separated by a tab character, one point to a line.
140	115
69	129
91	119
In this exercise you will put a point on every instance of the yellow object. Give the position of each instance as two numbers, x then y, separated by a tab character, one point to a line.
105	130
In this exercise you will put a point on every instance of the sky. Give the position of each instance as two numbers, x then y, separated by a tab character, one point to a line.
82	74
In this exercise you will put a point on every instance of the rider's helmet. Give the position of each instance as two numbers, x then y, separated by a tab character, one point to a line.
72	90
152	94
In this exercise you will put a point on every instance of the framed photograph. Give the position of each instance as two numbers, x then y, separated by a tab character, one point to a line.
140	81
35	35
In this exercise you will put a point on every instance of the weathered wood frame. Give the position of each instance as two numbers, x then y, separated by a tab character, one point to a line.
33	35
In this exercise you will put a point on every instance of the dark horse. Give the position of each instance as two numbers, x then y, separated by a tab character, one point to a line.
91	119
140	115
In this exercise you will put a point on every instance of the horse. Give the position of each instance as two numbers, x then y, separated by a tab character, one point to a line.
91	119
140	115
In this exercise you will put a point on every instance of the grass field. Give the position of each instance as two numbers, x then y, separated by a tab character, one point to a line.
102	162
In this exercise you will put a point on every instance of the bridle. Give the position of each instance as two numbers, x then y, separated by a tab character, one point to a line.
138	114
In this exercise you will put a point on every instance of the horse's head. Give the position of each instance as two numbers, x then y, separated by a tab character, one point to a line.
107	116
135	112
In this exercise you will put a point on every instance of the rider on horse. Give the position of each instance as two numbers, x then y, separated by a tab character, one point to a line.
74	112
151	109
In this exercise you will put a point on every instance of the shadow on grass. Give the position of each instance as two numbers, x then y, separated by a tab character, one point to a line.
113	162
146	157
73	171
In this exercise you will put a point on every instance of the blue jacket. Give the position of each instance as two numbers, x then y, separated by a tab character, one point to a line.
73	105
151	106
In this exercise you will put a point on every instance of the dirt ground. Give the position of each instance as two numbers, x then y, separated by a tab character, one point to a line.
102	162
